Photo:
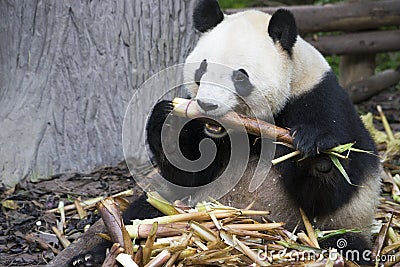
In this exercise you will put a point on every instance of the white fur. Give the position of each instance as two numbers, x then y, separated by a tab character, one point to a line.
242	41
269	197
309	67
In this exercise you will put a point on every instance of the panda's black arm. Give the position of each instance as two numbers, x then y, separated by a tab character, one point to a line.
322	118
319	120
189	140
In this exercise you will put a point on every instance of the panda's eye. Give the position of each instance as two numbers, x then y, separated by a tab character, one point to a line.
240	75
244	72
241	82
200	72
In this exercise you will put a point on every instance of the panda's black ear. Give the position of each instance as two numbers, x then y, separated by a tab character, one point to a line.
282	27
206	15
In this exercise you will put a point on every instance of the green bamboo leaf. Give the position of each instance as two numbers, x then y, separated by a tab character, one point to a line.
338	165
362	151
341	148
335	154
396	198
339	232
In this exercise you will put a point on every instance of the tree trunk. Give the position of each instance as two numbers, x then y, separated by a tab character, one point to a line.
68	70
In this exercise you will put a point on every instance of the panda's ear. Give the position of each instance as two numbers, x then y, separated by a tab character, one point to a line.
206	15
282	27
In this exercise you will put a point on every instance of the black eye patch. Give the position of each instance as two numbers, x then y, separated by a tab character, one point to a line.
242	83
200	72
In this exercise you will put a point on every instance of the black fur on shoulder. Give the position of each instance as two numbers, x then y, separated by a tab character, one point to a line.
282	27
206	15
319	120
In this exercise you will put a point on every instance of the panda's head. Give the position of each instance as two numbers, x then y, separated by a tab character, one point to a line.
242	62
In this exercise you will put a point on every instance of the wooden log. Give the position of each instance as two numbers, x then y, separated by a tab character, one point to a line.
355	67
342	17
358	43
369	87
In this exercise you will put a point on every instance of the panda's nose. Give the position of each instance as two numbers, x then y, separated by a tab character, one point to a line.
206	106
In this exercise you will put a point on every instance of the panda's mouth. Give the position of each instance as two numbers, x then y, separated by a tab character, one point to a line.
214	130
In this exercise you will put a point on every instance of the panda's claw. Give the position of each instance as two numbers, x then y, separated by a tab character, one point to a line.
86	260
160	113
311	141
155	124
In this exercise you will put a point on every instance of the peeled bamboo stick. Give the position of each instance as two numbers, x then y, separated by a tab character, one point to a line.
188	109
160	259
142	231
203	215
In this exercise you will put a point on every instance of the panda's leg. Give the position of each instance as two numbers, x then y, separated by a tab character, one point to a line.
352	246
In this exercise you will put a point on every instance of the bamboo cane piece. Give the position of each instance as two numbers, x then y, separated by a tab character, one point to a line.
188	109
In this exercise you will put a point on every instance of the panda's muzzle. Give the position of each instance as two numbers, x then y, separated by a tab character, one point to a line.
206	106
212	128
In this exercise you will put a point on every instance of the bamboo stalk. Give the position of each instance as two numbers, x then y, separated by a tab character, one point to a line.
160	259
256	226
309	229
64	242
62	213
89	203
148	247
249	253
203	232
126	260
385	123
139	256
81	212
201	216
115	226
172	260
141	231
188	109
256	234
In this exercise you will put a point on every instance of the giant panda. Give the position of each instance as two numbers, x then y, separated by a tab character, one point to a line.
272	64
267	55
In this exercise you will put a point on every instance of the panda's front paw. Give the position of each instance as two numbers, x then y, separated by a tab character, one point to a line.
159	115
155	123
311	141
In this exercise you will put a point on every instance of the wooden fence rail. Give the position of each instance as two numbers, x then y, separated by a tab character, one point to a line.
358	43
362	15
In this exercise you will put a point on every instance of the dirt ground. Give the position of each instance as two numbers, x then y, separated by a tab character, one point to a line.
23	211
32	200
